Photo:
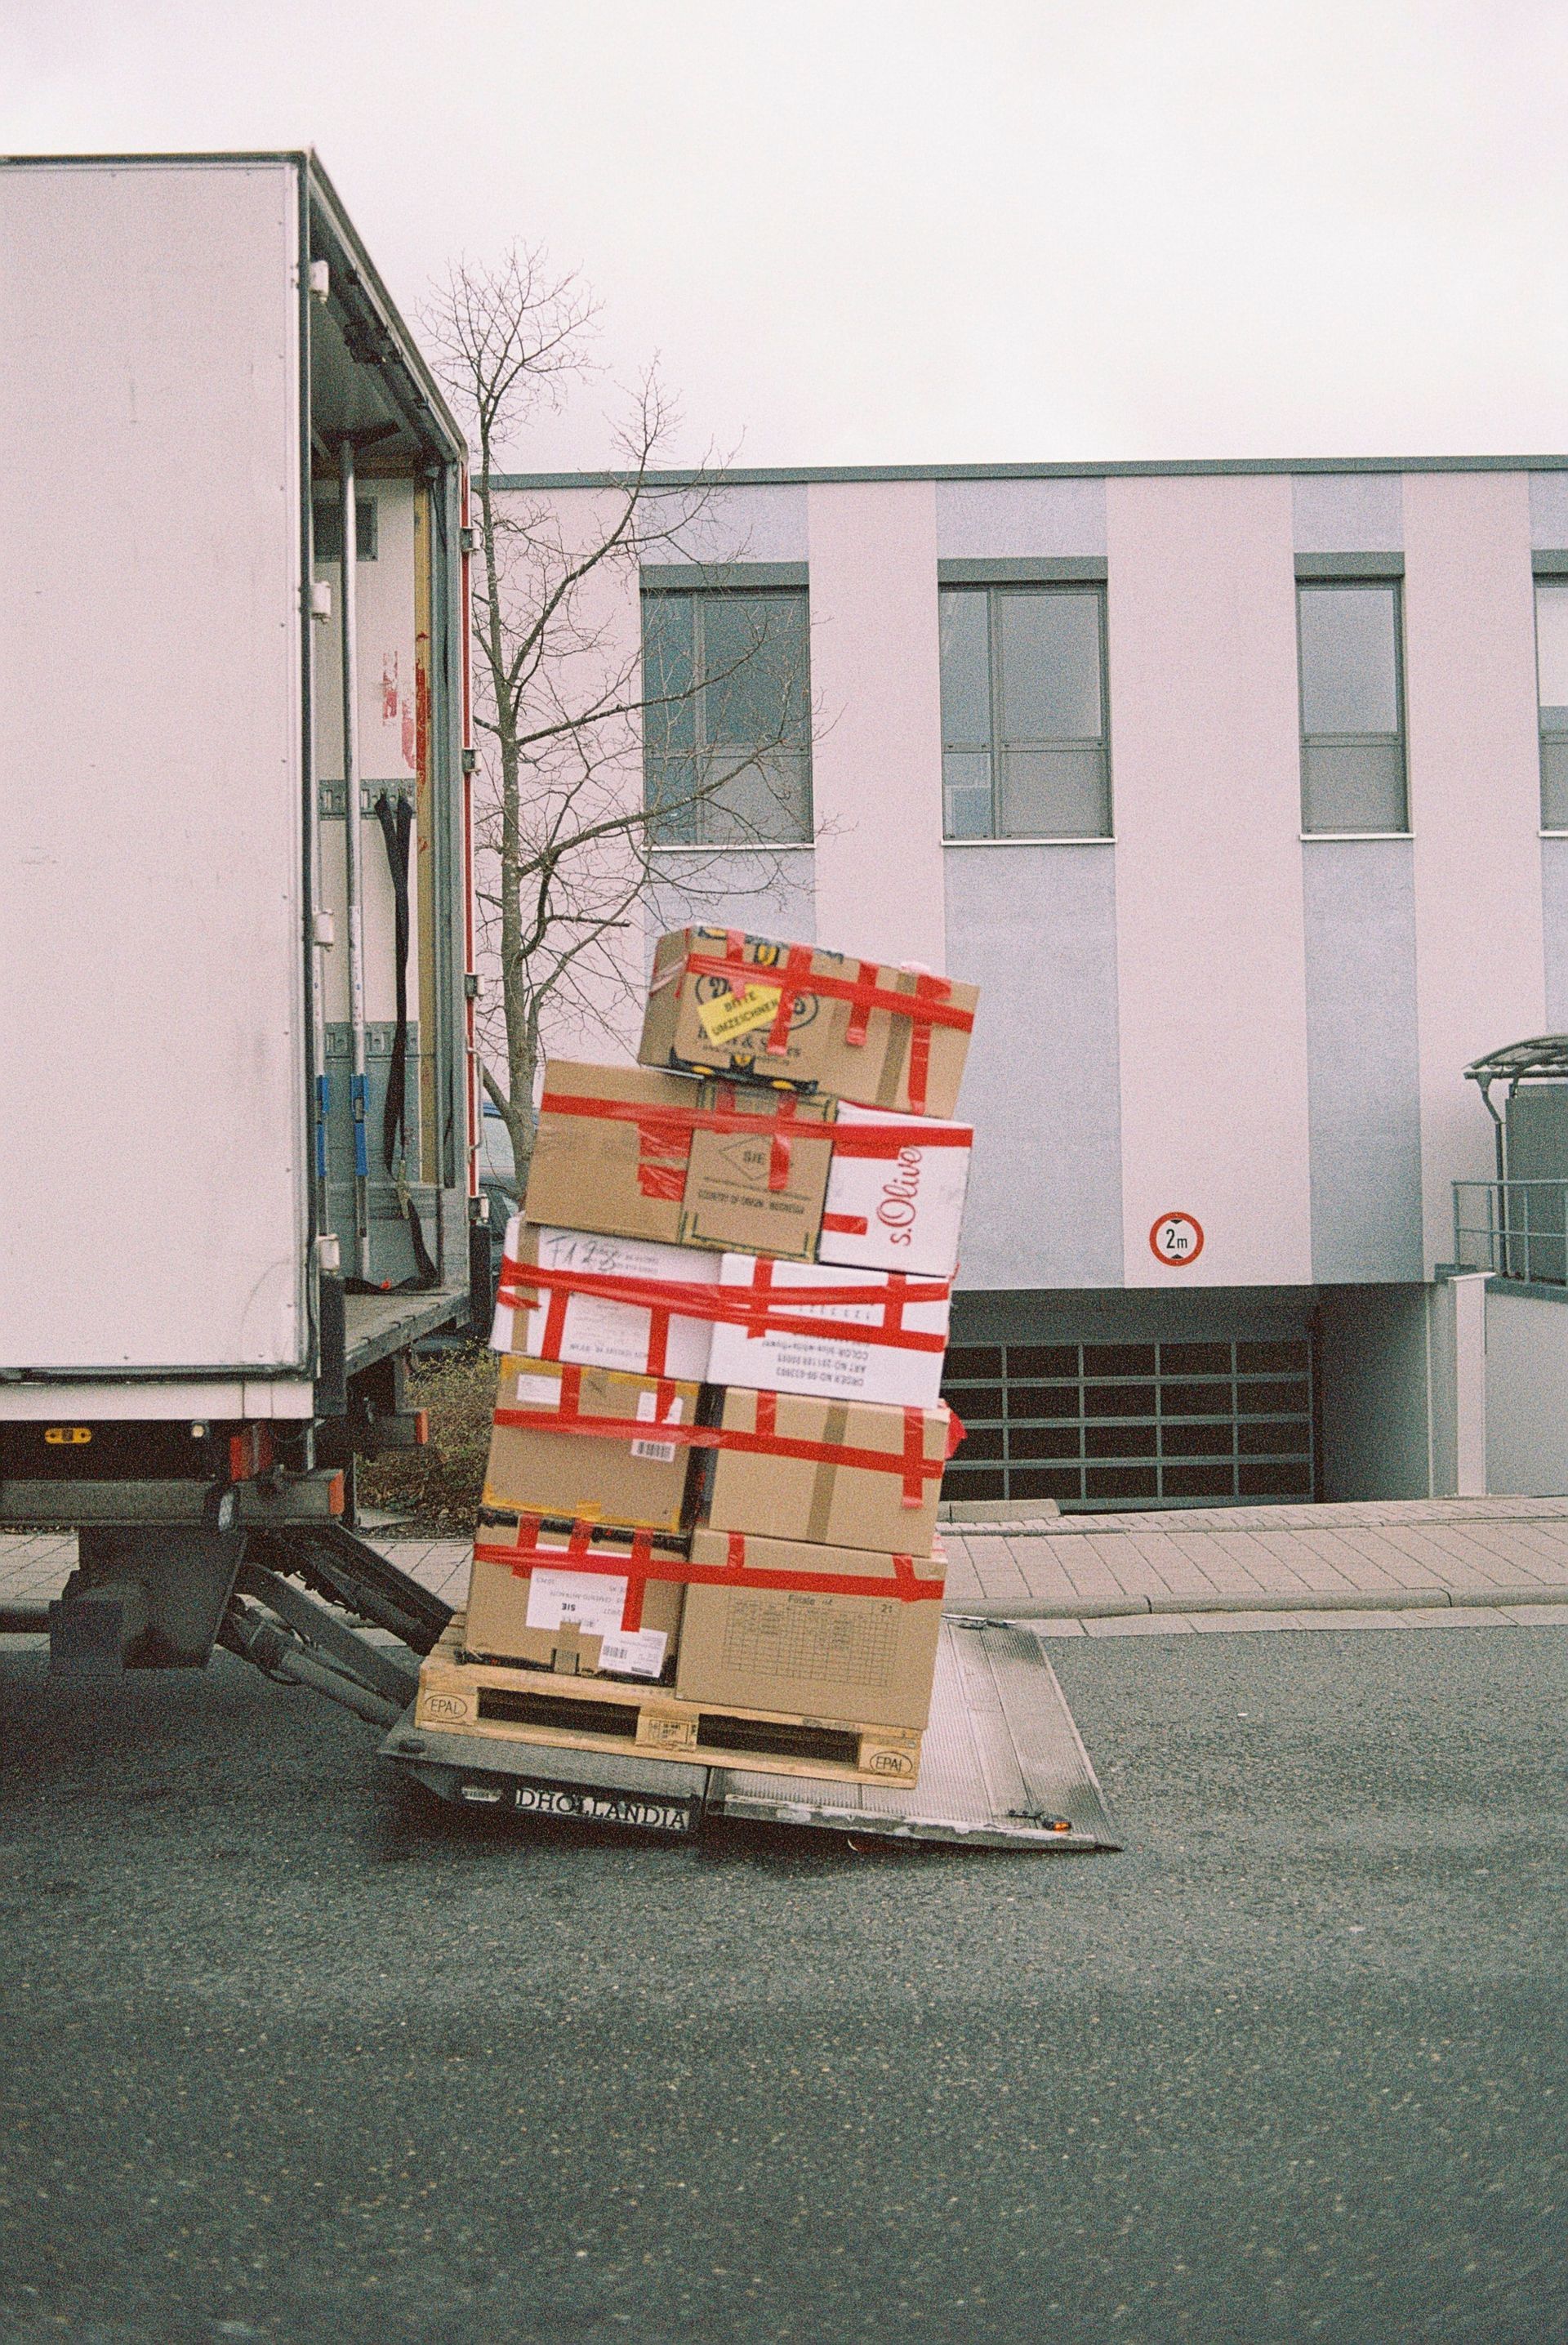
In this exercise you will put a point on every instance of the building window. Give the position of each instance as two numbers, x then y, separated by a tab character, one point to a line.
1131	1425
1552	673
1352	722
1024	713
726	677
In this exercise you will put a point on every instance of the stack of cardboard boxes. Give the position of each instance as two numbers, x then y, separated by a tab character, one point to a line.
719	1440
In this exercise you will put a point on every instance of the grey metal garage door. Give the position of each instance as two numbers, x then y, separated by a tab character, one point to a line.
1131	1425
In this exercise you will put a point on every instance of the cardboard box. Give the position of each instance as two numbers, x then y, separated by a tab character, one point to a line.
535	1468
539	1607
857	1660
619	1151
893	1369
759	1192
844	1499
901	1212
623	1151
588	1330
868	1048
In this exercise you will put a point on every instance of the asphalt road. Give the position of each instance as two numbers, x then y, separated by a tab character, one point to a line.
288	2056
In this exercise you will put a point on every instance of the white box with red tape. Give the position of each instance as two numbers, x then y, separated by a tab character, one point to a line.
837	1332
834	1331
895	1201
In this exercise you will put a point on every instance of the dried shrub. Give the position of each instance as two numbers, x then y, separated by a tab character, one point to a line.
437	1487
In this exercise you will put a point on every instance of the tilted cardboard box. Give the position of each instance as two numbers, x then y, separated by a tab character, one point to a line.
631	1153
530	1600
833	1473
845	1657
855	1029
538	1466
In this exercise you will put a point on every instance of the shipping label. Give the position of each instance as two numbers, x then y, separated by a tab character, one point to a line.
728	1016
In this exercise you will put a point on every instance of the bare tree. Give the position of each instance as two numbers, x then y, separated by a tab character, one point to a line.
568	826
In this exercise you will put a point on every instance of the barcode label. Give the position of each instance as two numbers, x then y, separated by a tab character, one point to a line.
657	1453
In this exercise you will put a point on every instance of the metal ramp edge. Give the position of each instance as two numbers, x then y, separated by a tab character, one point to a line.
1003	1764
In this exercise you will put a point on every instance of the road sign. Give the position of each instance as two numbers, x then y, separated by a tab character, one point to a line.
1177	1239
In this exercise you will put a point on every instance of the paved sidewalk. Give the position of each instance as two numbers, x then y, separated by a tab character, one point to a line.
1111	1574
1387	1556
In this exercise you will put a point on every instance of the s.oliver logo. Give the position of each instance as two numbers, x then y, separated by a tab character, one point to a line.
901	1197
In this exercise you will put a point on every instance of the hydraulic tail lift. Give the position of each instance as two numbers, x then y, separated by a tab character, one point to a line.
311	1603
1004	1767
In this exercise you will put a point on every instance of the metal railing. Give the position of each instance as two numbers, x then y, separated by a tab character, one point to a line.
1515	1229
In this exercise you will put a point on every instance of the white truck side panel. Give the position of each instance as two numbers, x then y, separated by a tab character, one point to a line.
153	1161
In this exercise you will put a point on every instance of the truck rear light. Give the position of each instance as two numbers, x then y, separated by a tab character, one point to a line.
335	1495
421	1427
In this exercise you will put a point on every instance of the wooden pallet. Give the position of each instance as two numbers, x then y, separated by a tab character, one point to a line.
487	1698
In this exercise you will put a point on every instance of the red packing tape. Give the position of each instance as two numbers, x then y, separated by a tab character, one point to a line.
882	1142
753	1307
929	1005
642	1566
910	1462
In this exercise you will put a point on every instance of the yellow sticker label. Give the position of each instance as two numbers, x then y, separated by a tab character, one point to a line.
727	1017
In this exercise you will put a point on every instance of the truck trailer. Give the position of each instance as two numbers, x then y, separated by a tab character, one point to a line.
240	1133
238	1097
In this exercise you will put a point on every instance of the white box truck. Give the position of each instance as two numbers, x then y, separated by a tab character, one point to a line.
238	1106
238	1109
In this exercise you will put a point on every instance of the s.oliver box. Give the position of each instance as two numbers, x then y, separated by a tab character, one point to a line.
900	1205
838	1333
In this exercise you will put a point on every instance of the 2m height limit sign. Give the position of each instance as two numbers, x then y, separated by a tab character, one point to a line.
1176	1240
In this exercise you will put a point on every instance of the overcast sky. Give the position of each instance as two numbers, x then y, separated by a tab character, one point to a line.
883	232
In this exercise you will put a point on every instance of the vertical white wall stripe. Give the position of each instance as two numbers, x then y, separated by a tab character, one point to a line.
878	765
1210	957
1475	806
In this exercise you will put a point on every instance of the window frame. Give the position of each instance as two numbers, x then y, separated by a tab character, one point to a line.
1390	581
732	584
989	589
1556	576
367	527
